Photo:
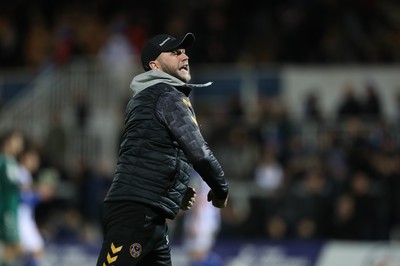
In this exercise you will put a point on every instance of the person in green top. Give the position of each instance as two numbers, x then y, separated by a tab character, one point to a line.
12	143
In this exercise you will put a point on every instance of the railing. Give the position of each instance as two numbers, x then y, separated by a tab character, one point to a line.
57	93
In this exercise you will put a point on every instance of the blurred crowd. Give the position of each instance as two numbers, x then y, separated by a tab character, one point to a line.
313	179
318	31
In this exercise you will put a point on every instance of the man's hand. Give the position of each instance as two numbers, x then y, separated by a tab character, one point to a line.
219	203
189	199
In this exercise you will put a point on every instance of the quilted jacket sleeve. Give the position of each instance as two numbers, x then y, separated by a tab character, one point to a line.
175	111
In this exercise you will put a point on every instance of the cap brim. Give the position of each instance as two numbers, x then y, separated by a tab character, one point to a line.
182	42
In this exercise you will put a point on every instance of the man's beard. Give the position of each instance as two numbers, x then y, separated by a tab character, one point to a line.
174	73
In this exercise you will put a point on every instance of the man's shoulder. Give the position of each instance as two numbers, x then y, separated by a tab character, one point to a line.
160	88
166	87
167	90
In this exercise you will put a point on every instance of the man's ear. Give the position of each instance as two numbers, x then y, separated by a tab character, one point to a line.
153	65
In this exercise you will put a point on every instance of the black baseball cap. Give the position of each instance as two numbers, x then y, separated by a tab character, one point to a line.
163	43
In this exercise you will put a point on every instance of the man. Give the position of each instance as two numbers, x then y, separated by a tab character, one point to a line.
32	243
11	145
161	143
200	228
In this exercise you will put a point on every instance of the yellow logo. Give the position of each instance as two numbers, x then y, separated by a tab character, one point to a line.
115	249
194	120
135	250
112	256
186	102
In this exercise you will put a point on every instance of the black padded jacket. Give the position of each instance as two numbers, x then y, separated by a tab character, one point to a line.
161	143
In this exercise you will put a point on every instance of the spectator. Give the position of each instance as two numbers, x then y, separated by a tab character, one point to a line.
371	107
365	206
350	105
12	143
201	227
312	108
32	243
343	223
241	152
55	142
269	173
276	228
117	54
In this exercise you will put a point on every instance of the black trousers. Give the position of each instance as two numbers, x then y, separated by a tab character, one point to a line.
133	235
